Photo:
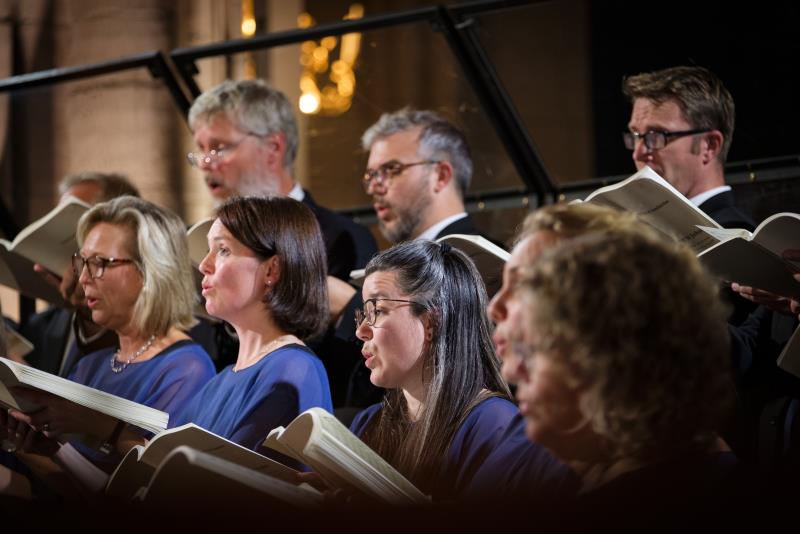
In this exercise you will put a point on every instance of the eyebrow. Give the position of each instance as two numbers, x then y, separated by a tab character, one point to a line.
378	295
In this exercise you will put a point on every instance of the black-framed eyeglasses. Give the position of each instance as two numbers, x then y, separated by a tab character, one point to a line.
657	139
216	156
383	174
370	313
96	265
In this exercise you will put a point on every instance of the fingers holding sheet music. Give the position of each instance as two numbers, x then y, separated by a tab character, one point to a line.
27	439
772	301
60	416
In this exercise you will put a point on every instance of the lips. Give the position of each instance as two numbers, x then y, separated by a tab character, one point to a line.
499	345
381	210
205	287
368	358
215	185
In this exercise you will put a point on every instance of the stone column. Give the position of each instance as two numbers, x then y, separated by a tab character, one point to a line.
124	122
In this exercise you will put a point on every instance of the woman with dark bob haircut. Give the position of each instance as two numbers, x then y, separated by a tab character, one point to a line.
427	340
265	275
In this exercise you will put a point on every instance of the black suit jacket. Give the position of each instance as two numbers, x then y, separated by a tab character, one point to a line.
722	208
348	244
49	332
462	226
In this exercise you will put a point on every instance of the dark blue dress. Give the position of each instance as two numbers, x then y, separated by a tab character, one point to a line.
244	406
166	382
489	455
518	468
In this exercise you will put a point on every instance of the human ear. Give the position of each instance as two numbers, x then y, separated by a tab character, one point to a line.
712	145
444	175
272	271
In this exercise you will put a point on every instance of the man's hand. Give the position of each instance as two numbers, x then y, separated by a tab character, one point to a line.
67	284
779	303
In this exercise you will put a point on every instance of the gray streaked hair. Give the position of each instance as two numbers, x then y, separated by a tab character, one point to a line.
161	253
253	106
438	140
112	184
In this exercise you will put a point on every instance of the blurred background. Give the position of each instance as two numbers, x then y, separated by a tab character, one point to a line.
560	63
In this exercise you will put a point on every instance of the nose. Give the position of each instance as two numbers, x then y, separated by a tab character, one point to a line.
375	189
206	266
83	275
364	331
497	306
641	152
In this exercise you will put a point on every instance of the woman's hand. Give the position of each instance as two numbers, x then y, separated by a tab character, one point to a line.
25	438
60	416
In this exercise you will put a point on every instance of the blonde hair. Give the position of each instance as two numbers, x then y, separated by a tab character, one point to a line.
572	220
161	253
654	371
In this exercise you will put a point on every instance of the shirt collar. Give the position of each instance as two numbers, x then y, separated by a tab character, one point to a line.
297	193
434	230
702	197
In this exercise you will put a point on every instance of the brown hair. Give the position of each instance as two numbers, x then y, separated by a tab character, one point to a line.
286	228
703	99
460	368
654	371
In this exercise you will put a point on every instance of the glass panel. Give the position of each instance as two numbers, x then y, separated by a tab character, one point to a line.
408	65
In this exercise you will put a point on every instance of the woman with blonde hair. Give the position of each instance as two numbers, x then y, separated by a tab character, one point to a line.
134	267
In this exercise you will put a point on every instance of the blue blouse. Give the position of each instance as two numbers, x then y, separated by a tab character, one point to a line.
243	406
166	382
489	455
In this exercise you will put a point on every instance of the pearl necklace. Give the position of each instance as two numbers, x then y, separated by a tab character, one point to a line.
142	350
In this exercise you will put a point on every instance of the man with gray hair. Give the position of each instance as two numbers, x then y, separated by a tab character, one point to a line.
418	171
247	136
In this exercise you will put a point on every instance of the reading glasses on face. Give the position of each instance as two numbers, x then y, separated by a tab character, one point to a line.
96	265
381	176
216	156
657	139
369	313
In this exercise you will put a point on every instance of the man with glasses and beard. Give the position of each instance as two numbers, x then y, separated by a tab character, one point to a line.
418	170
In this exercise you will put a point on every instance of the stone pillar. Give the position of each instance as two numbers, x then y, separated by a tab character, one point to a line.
124	122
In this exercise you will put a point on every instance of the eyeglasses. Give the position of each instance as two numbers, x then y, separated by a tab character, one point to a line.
96	265
657	139
370	313
216	156
387	171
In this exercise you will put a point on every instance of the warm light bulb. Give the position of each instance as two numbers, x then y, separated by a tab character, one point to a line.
249	27
309	103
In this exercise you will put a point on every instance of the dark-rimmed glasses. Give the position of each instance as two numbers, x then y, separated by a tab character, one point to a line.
657	139
96	265
383	174
370	312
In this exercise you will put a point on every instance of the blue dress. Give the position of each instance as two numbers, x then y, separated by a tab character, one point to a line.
243	406
166	382
518	468
484	452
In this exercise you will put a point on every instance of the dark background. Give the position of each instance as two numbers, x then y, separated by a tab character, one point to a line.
754	47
